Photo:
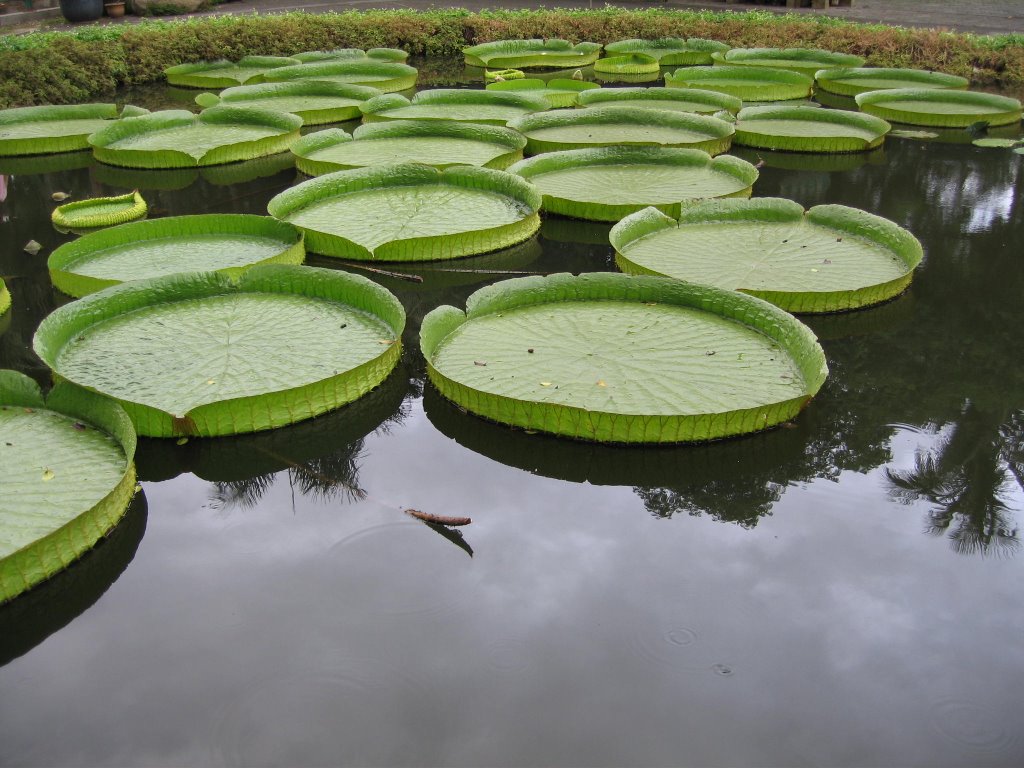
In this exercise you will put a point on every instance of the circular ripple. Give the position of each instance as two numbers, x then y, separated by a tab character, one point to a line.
972	726
669	647
723	670
509	654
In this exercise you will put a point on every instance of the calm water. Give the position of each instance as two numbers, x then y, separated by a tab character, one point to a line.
842	592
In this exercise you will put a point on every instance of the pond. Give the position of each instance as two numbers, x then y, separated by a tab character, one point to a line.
843	591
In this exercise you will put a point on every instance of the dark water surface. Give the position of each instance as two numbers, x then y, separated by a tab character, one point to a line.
844	592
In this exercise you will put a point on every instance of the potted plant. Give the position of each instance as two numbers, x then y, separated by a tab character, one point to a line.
114	8
81	10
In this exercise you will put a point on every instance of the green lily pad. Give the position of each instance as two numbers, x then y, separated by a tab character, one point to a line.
670	51
503	74
628	79
849	81
829	259
628	64
806	61
609	183
350	54
226	243
672	99
411	212
940	108
746	83
68	475
560	92
53	129
225	74
611	126
99	211
997	143
5	298
521	54
199	354
180	139
315	102
808	129
488	107
902	134
385	76
439	143
613	358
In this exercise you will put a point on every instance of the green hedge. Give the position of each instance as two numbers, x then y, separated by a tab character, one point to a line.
85	63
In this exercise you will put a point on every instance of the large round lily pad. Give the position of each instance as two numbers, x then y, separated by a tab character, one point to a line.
411	212
440	143
608	183
485	107
560	92
352	54
99	211
67	472
670	51
199	354
672	99
612	126
809	129
49	129
806	61
614	358
225	74
216	242
522	54
940	108
180	139
849	81
628	64
829	259
385	76
315	102
746	83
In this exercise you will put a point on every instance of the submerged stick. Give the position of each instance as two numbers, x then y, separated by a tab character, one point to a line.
386	273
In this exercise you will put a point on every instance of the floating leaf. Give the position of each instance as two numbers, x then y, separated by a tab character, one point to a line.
806	61
520	54
999	143
52	129
489	107
5	298
32	248
225	74
500	75
385	76
628	64
673	99
352	54
803	129
904	134
747	83
559	92
59	197
940	108
99	211
670	51
314	101
849	81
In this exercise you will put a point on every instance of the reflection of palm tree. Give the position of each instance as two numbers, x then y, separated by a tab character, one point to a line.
965	477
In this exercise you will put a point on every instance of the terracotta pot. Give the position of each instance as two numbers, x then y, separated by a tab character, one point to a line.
114	10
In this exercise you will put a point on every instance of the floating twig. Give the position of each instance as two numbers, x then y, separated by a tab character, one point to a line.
386	273
438	519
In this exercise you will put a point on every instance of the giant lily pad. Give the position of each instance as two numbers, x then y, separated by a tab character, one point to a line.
673	99
829	259
611	126
411	212
521	54
747	83
613	358
486	107
670	51
180	139
560	92
849	81
223	73
352	54
197	353
440	143
48	130
315	102
226	243
385	76
628	64
99	212
940	108
611	182
808	129
67	473
806	61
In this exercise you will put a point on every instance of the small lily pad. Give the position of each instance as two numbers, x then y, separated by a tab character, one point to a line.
998	143
99	212
628	64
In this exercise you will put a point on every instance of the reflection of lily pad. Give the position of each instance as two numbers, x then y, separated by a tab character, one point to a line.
672	99
806	161
613	358
180	178
747	83
609	183
560	92
225	74
803	129
67	472
440	143
488	107
520	54
628	64
411	212
180	139
610	126
315	102
940	108
38	164
52	129
199	354
847	81
216	242
385	76
829	259
806	61
670	51
99	211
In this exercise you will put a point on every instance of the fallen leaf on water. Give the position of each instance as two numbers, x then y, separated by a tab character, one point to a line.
32	248
181	440
59	197
545	383
47	475
600	383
